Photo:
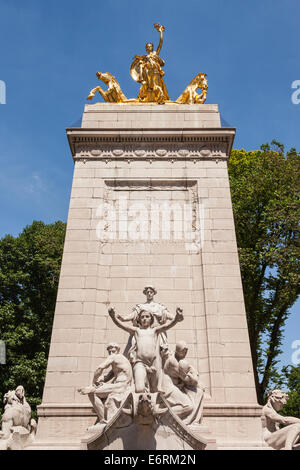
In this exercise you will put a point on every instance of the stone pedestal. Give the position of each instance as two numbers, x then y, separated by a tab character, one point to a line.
129	157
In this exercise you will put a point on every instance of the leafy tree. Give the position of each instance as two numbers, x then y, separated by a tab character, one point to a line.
292	374
265	190
29	272
290	379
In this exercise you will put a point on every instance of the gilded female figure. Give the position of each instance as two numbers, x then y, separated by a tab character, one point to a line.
147	70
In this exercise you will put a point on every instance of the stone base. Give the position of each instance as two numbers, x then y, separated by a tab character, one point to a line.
235	426
40	445
231	426
151	426
138	437
19	439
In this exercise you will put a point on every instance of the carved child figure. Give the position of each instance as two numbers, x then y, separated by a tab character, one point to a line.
160	316
147	363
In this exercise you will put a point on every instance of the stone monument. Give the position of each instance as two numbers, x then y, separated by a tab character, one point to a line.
150	206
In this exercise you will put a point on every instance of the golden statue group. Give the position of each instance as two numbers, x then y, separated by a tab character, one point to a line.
148	71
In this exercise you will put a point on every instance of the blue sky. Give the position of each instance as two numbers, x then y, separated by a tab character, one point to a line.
51	51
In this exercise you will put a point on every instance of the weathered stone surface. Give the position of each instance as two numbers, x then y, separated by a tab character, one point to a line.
17	428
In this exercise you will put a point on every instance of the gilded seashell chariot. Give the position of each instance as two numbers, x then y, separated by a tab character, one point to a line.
148	71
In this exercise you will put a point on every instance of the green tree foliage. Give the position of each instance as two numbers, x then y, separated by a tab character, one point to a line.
265	190
292	374
29	272
290	379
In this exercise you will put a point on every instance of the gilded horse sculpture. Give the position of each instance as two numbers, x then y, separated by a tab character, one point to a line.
190	95
113	94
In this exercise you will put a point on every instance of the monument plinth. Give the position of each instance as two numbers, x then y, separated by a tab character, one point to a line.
151	205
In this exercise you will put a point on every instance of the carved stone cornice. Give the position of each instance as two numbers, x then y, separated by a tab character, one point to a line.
151	144
163	184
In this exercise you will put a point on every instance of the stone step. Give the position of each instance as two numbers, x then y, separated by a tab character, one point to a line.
39	445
